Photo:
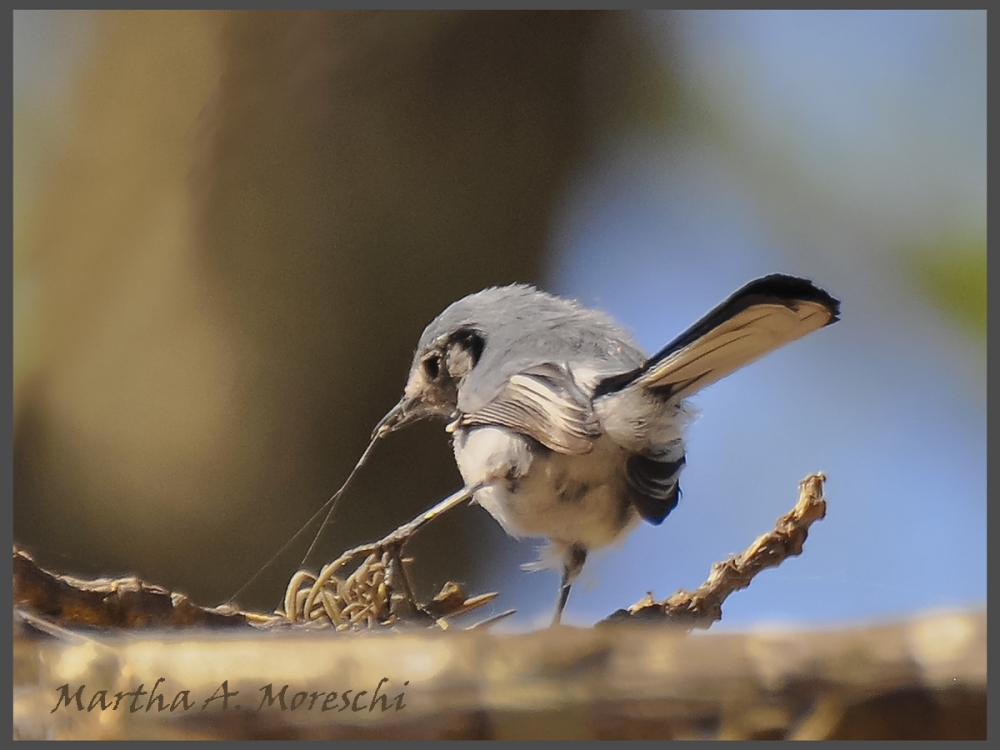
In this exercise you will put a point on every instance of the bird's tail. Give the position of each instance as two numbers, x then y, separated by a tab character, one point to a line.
762	316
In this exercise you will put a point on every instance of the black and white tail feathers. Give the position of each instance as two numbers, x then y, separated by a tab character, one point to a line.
758	318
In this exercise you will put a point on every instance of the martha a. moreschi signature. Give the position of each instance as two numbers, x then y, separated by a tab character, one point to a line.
158	699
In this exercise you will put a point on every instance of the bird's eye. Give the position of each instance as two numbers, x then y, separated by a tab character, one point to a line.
471	342
432	366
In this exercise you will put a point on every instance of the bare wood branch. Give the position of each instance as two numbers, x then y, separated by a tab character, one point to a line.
924	678
109	602
703	606
377	593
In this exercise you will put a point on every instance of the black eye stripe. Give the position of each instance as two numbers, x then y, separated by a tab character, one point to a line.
470	340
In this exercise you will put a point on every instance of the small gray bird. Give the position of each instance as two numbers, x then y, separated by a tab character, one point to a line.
562	427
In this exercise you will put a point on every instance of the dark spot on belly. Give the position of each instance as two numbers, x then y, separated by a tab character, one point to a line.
516	471
512	482
572	493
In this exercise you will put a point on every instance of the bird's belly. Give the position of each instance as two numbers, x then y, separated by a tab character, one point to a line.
579	499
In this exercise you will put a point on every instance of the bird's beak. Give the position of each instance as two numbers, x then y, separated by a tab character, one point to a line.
391	421
406	411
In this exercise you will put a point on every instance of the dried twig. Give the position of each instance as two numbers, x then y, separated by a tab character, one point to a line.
108	602
377	593
703	606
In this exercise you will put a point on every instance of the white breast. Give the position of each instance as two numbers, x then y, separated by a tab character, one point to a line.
540	493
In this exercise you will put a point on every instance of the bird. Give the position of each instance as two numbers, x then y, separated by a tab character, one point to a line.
562	428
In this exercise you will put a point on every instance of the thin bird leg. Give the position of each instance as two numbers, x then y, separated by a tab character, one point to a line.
404	532
563	596
393	543
576	556
402	535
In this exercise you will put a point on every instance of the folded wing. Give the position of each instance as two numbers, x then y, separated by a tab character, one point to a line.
543	402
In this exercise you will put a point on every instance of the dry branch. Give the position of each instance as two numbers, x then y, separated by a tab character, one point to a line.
925	678
377	593
108	602
703	606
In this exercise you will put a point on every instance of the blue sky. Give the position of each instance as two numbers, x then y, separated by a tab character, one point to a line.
847	136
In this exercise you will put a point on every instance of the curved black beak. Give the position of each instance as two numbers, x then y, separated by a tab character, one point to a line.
408	410
392	421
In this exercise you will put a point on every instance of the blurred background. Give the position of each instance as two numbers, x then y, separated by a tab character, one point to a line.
230	229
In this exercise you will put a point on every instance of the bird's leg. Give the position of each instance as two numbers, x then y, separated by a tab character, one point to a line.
391	545
563	596
397	539
573	562
402	535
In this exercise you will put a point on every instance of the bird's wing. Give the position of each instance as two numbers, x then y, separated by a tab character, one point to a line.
762	316
543	402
